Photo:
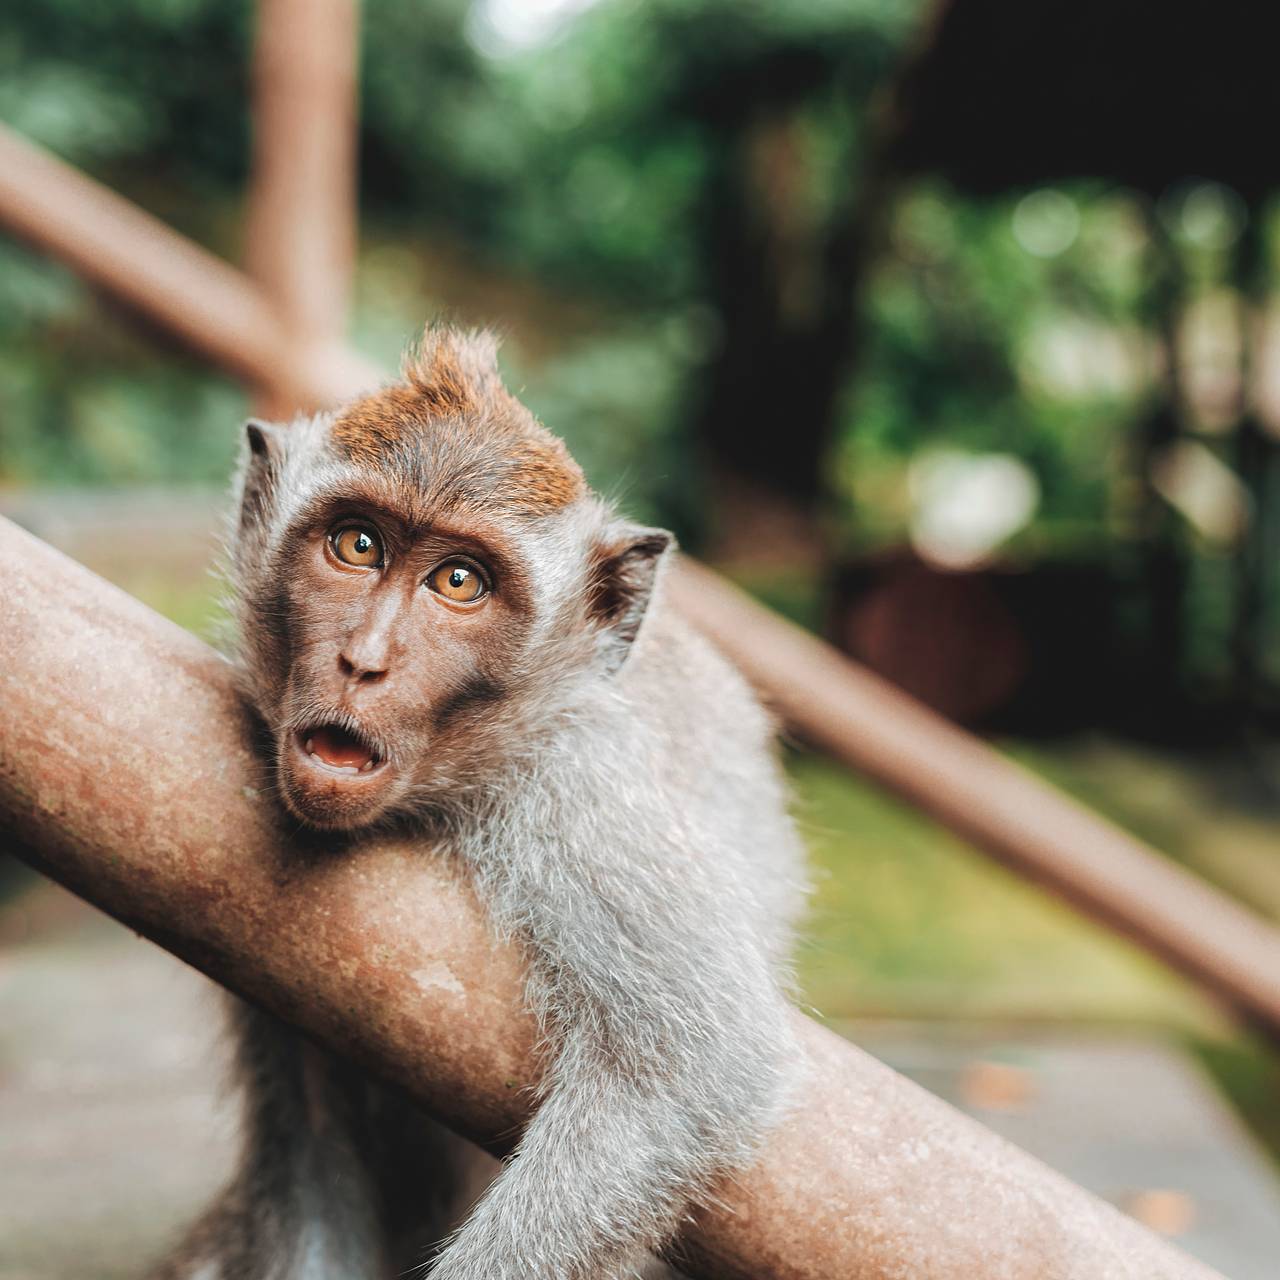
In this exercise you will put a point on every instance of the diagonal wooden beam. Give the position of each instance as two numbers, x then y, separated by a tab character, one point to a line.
127	772
194	294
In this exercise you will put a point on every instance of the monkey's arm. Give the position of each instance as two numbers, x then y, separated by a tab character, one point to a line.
670	1044
628	1133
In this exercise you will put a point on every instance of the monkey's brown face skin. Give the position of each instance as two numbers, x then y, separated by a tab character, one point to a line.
398	637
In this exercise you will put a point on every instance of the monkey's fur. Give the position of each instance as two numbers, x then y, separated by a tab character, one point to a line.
606	779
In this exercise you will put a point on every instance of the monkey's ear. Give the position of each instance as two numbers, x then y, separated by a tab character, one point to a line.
265	438
261	468
624	572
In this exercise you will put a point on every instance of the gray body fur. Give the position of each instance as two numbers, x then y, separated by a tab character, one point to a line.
622	815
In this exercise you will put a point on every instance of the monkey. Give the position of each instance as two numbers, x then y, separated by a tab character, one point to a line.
443	629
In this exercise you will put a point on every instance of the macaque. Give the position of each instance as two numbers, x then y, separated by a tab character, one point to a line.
444	630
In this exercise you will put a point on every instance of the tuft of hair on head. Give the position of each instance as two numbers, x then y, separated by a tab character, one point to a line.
456	370
451	386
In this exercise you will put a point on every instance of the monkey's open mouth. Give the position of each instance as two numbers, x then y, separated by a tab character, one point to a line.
333	747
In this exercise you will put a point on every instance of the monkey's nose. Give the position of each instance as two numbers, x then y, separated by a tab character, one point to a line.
361	669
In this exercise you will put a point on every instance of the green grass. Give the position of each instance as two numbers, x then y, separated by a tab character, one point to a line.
909	921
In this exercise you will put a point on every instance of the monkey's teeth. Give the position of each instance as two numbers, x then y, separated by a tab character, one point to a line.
337	752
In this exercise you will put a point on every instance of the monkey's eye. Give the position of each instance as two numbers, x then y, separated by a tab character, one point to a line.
357	545
458	581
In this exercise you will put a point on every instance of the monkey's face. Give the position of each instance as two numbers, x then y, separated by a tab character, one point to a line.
422	577
400	644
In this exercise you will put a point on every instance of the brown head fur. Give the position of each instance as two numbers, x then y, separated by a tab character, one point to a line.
455	429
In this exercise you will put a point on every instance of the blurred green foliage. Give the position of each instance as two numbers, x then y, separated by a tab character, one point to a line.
567	187
582	167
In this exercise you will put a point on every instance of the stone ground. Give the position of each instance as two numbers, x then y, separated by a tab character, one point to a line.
114	1126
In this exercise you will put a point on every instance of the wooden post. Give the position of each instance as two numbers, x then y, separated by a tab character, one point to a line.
127	773
301	222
